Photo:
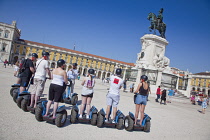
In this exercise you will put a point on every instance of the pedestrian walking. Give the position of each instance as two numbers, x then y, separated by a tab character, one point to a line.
158	94
163	97
141	98
204	103
124	84
170	94
5	63
131	87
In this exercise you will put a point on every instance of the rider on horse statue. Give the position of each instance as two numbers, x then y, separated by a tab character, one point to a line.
157	23
160	17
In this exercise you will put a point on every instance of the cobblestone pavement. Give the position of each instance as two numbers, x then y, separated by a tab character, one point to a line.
178	120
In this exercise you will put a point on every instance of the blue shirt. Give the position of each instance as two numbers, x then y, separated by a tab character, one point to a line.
171	92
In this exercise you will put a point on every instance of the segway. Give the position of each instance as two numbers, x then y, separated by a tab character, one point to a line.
129	123
73	98
14	92
92	116
70	100
25	103
61	114
14	89
119	119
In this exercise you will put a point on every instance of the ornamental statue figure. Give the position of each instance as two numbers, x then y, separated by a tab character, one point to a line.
160	17
157	23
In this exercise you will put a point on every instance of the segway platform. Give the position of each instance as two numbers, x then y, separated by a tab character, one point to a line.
92	116
129	123
119	119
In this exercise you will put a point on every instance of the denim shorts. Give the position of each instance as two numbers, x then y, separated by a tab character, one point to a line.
141	99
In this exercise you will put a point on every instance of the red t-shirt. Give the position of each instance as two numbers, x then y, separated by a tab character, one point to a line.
158	91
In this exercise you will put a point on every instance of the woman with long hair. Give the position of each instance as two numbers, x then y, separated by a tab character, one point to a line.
141	98
87	92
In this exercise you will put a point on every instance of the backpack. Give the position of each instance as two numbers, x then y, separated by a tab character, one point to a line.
23	66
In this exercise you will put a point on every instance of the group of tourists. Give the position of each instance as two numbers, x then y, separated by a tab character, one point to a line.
162	95
34	70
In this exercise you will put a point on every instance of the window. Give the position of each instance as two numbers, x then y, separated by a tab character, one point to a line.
17	49
3	47
6	35
1	32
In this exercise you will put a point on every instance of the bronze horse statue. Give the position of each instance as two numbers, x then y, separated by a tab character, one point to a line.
156	24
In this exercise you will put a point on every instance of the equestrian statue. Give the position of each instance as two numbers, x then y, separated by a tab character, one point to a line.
157	23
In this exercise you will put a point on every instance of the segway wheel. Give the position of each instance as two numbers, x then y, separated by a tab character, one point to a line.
128	123
24	104
61	118
100	120
12	90
15	95
147	126
93	121
73	117
120	124
74	100
38	114
18	100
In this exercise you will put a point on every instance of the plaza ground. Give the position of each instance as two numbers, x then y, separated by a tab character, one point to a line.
175	121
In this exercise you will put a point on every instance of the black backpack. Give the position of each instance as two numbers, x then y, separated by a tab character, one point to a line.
23	67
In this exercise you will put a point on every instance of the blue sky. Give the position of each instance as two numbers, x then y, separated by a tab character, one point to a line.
113	28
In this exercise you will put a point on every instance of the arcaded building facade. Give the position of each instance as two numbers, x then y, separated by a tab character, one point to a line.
13	49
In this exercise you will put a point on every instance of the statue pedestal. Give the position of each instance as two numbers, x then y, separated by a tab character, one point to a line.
151	60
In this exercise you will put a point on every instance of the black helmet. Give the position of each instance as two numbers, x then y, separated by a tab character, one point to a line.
45	53
75	64
60	62
34	55
144	77
91	71
118	71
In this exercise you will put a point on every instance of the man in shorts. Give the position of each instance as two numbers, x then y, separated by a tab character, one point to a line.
113	96
26	71
42	68
72	75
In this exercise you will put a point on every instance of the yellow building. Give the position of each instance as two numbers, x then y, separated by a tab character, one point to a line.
201	82
15	49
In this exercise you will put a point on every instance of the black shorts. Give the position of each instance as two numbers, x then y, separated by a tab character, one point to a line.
90	95
24	81
56	92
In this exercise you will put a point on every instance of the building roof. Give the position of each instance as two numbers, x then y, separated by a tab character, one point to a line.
203	73
78	52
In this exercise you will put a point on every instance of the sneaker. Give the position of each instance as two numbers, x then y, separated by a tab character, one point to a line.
80	116
106	120
113	121
87	116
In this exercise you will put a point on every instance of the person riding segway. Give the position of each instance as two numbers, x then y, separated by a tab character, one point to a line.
87	94
112	98
57	87
140	99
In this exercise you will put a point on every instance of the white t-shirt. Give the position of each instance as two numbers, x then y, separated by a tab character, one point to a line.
115	84
72	74
41	66
88	86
